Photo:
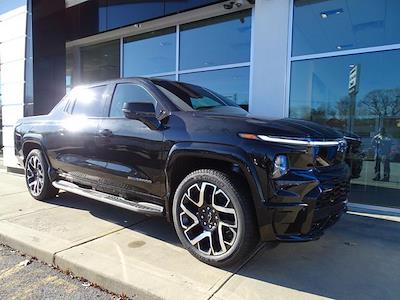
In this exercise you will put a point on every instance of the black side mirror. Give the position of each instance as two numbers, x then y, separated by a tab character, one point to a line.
142	111
135	110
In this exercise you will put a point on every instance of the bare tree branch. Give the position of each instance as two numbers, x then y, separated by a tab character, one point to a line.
383	103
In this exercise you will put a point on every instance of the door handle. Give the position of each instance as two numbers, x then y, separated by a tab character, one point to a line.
61	131
106	132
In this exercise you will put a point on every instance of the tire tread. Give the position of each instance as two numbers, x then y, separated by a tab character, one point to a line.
250	236
49	191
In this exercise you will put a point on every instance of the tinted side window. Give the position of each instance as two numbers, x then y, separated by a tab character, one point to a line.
90	101
128	93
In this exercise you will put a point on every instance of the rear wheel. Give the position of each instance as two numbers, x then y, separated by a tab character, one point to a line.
37	178
214	218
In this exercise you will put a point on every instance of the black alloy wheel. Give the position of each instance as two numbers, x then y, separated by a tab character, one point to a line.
214	218
37	178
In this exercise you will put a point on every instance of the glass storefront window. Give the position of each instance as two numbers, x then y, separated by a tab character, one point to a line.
214	53
231	83
167	77
100	62
69	70
337	25
150	53
6	6
114	14
217	41
360	94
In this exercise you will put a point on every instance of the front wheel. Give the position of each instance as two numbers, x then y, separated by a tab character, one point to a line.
214	218
37	178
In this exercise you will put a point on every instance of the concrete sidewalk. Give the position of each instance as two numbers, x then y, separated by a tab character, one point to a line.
131	254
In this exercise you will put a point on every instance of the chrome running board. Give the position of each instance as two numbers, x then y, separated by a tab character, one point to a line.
140	207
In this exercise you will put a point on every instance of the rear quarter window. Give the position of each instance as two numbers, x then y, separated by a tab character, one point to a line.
89	102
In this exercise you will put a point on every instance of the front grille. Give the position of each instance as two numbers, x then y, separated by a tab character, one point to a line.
333	194
326	156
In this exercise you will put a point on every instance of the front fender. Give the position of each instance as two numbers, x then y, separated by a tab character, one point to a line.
226	153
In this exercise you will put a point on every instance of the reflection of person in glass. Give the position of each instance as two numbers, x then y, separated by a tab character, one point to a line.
382	144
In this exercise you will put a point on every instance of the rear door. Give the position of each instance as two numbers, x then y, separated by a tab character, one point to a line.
74	144
132	150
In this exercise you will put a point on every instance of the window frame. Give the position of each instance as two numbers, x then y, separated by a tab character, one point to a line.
72	102
158	107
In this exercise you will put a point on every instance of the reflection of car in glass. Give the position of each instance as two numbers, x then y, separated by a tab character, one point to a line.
354	154
224	178
395	153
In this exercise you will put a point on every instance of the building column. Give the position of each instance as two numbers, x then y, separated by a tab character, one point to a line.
12	75
49	54
270	51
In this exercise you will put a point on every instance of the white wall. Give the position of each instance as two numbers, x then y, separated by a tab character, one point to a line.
270	58
12	75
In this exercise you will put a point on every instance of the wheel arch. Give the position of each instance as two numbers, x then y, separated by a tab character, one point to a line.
32	142
29	145
184	158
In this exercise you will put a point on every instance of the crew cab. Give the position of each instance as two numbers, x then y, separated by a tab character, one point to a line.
225	178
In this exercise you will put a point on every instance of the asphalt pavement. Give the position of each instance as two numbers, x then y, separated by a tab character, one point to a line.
22	277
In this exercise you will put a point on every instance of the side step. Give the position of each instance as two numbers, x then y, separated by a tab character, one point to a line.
140	207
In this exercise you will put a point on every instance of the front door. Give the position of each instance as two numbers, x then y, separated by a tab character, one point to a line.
133	151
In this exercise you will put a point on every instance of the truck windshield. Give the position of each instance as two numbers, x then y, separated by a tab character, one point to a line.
189	97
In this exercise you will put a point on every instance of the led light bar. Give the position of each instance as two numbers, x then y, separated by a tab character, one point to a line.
290	141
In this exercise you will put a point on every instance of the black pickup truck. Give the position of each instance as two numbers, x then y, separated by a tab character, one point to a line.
225	179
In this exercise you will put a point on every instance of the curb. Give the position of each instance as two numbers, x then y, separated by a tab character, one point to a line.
29	241
52	252
109	283
372	209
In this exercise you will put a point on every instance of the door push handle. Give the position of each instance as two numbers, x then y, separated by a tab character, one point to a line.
105	132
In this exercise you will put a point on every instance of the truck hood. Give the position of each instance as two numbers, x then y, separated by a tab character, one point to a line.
292	128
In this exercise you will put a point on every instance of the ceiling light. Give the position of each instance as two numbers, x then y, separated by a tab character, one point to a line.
344	46
328	13
236	3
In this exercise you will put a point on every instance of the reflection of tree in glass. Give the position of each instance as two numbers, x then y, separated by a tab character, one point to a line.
383	103
343	107
323	115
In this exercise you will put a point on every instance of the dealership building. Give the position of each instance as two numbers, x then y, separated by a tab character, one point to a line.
335	62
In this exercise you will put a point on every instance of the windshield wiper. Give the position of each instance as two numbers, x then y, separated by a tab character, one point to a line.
205	107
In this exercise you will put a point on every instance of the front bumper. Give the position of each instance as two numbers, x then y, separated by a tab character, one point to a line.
308	202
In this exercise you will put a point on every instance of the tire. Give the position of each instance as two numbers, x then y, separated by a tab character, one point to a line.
37	178
220	232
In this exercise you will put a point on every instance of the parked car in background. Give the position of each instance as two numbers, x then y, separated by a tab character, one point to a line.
223	177
354	154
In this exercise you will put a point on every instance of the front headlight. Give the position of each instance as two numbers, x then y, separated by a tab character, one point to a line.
281	166
292	141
